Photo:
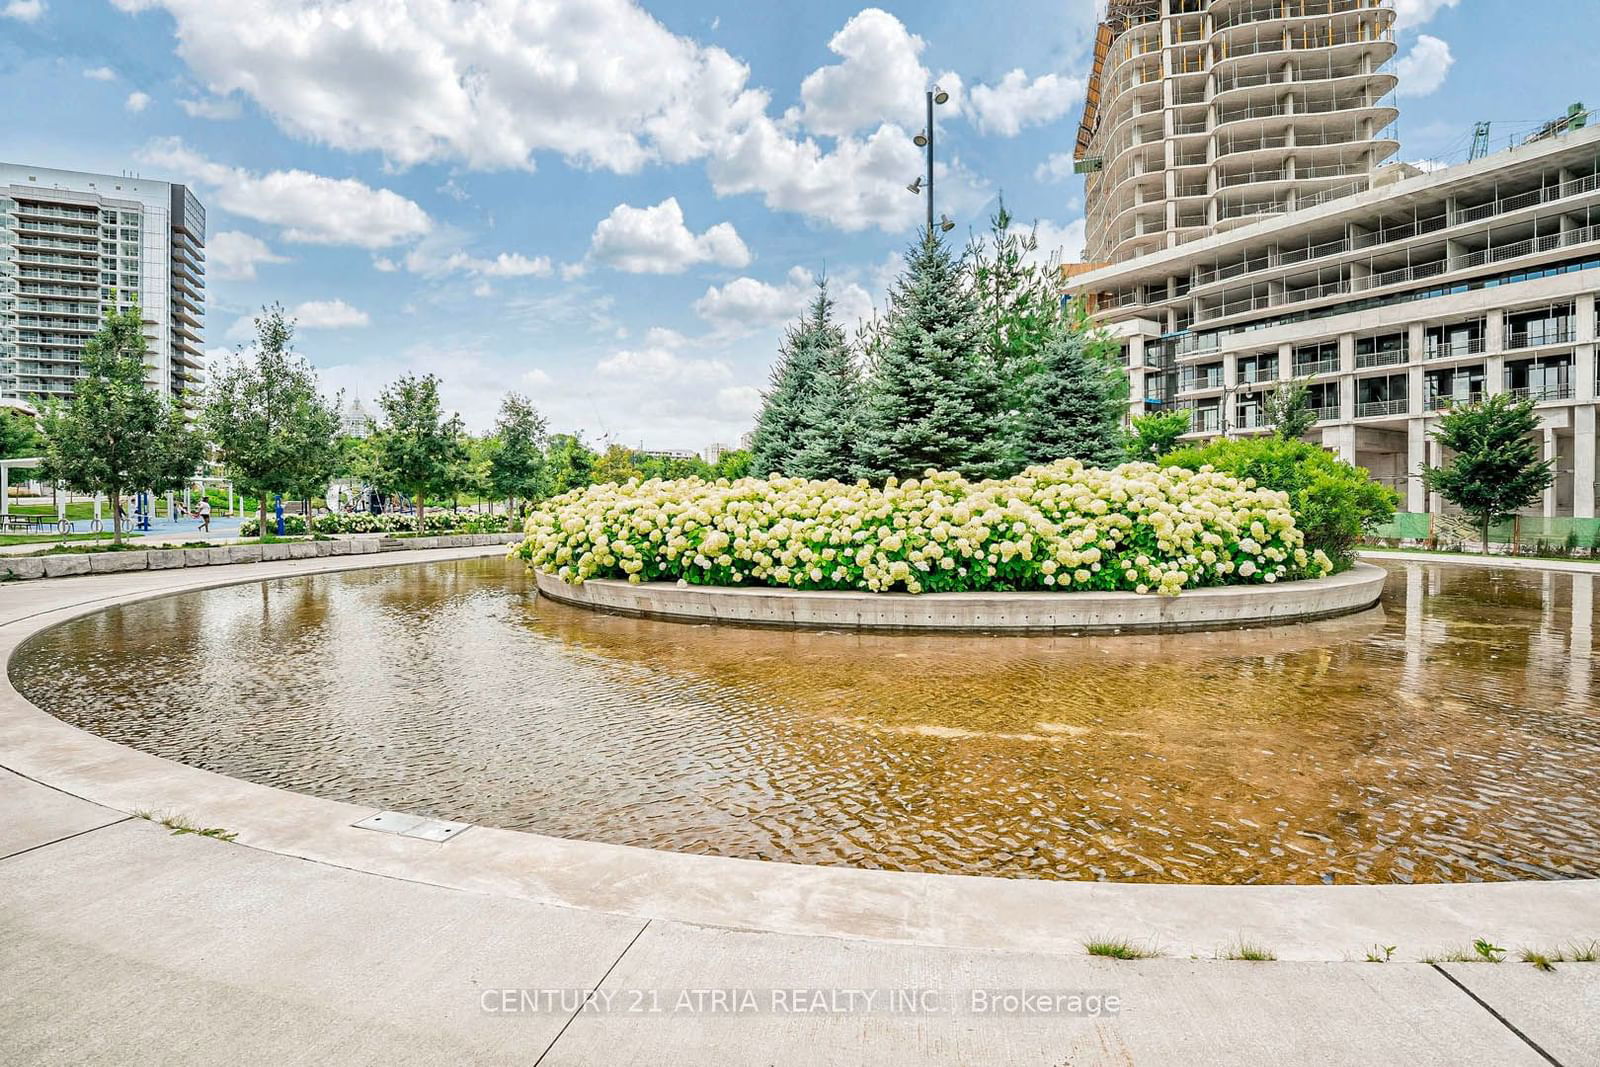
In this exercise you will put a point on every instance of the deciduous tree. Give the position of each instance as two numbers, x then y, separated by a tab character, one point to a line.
418	447
118	434
273	429
1495	470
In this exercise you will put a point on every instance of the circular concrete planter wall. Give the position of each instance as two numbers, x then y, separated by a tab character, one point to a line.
1198	609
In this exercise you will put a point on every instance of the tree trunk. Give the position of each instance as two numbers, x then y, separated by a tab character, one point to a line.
1486	537
261	504
116	516
422	507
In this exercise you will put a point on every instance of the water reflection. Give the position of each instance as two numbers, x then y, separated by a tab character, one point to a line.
1449	736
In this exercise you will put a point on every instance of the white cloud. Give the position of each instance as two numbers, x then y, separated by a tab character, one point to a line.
1057	167
137	101
418	82
746	305
1016	101
654	240
23	10
211	107
328	315
860	183
100	74
601	82
1063	244
442	252
1410	14
662	365
234	256
879	80
308	208
1424	68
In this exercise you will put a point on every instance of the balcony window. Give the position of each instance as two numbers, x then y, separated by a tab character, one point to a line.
1382	351
1249	413
1541	379
1381	396
1453	388
1553	325
1323	399
1454	339
1258	368
1316	359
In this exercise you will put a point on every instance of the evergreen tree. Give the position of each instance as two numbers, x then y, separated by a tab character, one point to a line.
932	397
826	441
117	434
1495	470
783	405
1021	308
1071	404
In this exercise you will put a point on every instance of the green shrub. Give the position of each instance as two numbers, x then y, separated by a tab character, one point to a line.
361	522
1334	503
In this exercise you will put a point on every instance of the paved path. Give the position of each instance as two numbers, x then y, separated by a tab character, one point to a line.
123	943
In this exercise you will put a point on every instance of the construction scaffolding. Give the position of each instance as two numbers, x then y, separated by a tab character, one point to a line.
1116	18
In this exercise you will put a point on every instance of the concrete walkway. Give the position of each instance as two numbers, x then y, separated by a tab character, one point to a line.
123	943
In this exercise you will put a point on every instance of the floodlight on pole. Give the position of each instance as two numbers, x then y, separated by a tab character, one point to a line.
924	141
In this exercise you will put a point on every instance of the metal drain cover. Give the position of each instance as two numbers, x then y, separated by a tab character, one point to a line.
423	829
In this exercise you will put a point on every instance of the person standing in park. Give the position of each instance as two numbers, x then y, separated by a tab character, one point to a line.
204	511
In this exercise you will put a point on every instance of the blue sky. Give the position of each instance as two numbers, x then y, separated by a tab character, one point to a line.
613	207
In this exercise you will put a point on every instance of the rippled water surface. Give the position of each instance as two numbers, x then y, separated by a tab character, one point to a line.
1450	736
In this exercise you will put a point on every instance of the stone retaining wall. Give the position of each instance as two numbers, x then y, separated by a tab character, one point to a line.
157	559
1229	607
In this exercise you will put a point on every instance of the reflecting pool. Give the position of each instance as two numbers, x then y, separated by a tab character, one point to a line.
1451	735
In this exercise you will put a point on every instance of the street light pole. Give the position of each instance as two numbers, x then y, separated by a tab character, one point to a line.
924	141
930	164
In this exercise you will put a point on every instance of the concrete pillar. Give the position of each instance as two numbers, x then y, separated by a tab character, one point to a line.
1494	324
5	490
1416	456
1286	363
1552	453
1583	461
1344	442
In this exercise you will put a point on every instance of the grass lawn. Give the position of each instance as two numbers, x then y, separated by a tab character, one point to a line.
53	538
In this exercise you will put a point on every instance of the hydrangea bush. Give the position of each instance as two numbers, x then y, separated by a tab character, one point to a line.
1059	527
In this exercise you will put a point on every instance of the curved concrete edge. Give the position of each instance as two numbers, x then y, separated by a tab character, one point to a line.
1297	922
1229	607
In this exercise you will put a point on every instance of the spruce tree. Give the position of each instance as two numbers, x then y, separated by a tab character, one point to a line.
826	441
780	421
932	397
1071	404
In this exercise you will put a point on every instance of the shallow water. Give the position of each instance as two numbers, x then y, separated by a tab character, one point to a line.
1451	735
